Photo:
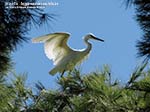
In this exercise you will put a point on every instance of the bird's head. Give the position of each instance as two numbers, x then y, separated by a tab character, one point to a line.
91	36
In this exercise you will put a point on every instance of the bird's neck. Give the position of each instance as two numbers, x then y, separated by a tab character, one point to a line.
89	46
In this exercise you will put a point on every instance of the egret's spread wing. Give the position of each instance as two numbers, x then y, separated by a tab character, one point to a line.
56	47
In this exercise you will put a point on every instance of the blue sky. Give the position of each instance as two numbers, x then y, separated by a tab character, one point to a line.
107	19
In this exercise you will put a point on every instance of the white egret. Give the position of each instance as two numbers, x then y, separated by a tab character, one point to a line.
64	58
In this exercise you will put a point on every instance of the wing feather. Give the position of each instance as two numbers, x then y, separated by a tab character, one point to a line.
55	46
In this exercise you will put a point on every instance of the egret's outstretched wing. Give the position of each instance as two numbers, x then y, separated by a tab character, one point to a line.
55	46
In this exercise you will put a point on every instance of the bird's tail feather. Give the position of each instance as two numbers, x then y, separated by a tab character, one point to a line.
40	39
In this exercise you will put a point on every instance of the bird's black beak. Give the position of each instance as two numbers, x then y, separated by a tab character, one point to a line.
98	39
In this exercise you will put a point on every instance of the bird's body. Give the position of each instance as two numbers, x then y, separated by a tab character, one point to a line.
64	58
69	62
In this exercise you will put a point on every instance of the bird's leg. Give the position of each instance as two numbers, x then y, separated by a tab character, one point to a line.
62	73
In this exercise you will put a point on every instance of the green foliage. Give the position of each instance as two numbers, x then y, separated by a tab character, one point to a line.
142	9
14	25
93	92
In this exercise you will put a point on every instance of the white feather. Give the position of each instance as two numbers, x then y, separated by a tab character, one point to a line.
56	49
55	46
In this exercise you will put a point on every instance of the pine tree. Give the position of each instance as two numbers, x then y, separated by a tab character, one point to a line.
14	25
142	8
93	92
